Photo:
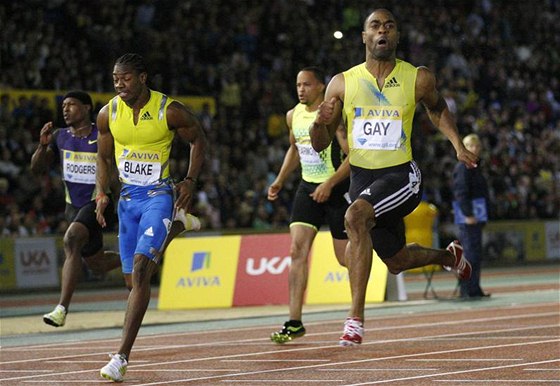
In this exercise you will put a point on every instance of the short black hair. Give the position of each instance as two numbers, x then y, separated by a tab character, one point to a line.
135	61
80	95
318	72
381	8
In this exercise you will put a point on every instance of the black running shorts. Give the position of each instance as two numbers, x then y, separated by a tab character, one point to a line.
393	192
308	211
86	216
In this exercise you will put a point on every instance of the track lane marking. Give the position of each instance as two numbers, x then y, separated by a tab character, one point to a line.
230	342
289	350
259	372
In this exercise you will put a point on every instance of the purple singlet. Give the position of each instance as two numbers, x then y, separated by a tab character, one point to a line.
77	156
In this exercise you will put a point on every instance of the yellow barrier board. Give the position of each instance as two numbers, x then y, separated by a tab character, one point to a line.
329	282
199	273
515	240
53	98
419	227
7	265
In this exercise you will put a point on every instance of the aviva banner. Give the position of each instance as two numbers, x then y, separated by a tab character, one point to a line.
328	281
209	272
199	273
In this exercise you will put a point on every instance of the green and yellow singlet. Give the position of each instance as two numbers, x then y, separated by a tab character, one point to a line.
380	121
315	167
141	150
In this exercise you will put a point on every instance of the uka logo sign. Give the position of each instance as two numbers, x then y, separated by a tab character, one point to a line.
35	260
272	265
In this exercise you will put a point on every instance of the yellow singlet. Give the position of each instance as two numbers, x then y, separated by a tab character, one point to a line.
141	150
379	121
315	167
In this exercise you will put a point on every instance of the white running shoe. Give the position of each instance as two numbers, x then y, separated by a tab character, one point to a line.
56	317
353	332
115	369
462	267
190	222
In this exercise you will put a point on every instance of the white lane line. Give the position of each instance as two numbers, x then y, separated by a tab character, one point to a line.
513	307
76	381
373	360
47	349
267	381
465	360
416	325
182	370
501	337
383	342
190	360
275	360
454	322
506	381
385	369
88	361
455	373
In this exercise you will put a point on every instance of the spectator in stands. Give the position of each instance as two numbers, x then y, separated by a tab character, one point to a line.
200	67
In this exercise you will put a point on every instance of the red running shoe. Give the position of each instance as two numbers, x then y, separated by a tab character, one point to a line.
462	267
353	332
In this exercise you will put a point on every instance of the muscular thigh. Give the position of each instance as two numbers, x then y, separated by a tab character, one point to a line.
87	217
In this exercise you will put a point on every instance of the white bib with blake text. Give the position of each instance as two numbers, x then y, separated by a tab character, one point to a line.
140	168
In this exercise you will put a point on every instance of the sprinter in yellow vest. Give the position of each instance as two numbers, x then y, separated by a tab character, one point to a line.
377	100
136	129
320	197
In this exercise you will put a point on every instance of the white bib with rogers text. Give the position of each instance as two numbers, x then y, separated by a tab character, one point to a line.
79	167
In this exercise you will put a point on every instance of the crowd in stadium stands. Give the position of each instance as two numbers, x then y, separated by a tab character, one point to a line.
497	63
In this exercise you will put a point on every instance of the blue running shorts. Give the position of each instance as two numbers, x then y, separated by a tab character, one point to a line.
144	222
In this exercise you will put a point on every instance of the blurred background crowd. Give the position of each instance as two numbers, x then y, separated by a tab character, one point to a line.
497	63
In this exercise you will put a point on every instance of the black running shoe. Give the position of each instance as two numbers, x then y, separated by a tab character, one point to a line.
287	333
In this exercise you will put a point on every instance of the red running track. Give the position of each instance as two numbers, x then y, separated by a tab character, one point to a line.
501	345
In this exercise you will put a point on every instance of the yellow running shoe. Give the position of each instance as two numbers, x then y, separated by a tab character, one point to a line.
57	317
191	223
115	369
288	333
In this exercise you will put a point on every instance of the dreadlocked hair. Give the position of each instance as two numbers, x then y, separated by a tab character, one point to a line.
133	60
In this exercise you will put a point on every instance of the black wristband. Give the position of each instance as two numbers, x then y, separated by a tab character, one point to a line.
191	178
